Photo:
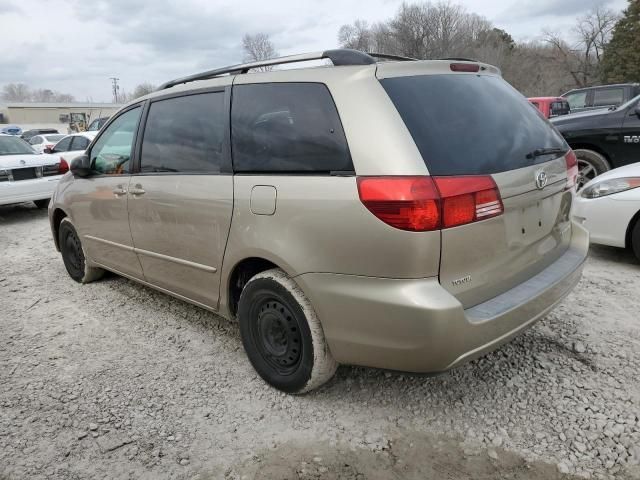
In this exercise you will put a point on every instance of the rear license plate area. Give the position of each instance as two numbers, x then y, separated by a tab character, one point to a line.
23	174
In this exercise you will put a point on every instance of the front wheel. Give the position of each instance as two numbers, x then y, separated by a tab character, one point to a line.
282	335
590	165
73	255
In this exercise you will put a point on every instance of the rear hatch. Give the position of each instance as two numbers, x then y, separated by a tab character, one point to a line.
475	125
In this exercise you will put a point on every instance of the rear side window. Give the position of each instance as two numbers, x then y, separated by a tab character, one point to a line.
607	97
559	108
80	143
470	124
185	134
287	127
63	145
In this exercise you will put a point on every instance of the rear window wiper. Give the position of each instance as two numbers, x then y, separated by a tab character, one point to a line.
539	152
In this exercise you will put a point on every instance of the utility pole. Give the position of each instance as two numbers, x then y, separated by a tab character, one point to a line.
115	88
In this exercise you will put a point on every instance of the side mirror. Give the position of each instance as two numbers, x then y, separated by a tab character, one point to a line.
48	150
637	110
81	166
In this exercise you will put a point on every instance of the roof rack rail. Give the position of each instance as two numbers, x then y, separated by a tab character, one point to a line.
387	56
338	57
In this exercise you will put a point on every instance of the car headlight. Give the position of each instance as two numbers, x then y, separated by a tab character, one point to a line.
609	187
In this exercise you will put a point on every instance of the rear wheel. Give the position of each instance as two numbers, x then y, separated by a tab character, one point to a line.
635	239
73	254
42	203
282	335
590	165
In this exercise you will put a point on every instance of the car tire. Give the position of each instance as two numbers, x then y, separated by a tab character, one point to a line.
42	203
282	334
635	239
590	165
73	255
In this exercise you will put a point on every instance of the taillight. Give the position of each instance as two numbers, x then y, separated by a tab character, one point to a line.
63	166
465	67
572	169
407	203
422	204
468	199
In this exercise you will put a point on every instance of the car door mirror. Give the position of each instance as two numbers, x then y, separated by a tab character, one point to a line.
81	166
48	150
637	110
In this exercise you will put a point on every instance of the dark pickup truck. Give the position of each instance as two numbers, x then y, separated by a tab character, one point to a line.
603	96
603	139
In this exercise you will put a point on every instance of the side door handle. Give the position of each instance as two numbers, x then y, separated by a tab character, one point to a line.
137	190
119	191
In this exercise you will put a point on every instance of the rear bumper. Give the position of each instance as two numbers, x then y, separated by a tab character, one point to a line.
415	325
28	190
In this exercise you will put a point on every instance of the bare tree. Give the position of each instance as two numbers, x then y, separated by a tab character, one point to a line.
16	92
19	92
357	36
258	47
582	59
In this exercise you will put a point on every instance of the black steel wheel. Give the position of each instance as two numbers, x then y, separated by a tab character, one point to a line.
73	255
282	335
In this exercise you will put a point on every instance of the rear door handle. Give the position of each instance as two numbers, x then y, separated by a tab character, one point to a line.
119	190
137	190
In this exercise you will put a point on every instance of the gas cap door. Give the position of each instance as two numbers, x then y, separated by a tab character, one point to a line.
263	200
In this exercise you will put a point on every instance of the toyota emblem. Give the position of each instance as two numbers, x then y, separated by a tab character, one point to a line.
541	180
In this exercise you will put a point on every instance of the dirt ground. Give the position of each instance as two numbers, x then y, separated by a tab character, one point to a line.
116	380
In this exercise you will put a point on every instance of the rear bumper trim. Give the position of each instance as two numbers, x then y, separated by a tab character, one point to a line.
533	287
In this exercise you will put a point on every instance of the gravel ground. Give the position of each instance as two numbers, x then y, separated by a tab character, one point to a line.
115	380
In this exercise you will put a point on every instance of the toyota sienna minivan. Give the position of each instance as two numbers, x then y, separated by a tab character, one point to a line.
400	214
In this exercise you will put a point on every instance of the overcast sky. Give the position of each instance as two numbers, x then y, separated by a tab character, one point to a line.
74	46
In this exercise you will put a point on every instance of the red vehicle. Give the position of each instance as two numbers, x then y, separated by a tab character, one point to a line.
551	106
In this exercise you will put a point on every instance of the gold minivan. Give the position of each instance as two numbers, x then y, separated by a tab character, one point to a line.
386	212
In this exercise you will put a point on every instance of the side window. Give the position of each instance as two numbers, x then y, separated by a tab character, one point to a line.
287	127
577	100
63	145
607	97
79	143
111	154
185	134
37	140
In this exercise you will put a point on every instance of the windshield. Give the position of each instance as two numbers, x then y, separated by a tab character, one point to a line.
471	124
14	146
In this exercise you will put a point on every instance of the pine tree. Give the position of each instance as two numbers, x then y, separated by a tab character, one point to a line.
621	61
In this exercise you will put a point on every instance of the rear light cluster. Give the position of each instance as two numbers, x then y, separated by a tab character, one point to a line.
56	168
421	204
572	169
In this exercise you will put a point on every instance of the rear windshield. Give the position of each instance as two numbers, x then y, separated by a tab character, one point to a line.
471	124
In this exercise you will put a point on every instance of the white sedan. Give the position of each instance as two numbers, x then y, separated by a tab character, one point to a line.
72	146
44	141
26	176
609	207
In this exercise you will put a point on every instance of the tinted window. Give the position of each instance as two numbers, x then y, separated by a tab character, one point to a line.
470	124
63	145
577	100
37	140
559	108
610	96
111	154
80	143
185	134
287	127
53	138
